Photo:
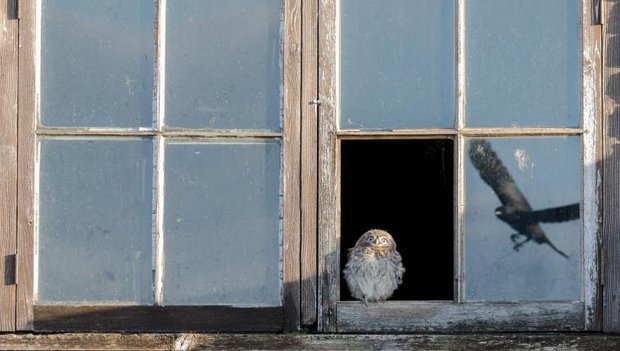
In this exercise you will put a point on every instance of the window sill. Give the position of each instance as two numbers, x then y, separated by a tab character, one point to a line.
150	341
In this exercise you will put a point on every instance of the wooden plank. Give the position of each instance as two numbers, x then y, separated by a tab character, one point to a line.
470	132
309	159
157	318
169	133
329	235
474	342
611	167
591	112
25	167
291	222
397	316
8	162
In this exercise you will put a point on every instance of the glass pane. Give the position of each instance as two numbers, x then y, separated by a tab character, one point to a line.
522	226
523	63
223	64
97	63
222	224
95	209
397	64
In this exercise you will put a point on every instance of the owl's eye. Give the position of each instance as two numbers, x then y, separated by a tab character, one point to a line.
370	238
383	241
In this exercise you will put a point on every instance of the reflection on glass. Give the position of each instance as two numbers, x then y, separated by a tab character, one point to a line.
523	63
97	63
397	64
95	204
522	227
223	64
222	210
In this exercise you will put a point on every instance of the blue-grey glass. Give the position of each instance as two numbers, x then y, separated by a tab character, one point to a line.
222	224
97	63
223	64
538	182
95	209
523	63
397	63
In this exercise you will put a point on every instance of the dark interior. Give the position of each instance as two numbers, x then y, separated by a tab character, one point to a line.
406	188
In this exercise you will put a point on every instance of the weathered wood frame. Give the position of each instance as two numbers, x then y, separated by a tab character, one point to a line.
610	131
457	315
17	96
8	161
30	316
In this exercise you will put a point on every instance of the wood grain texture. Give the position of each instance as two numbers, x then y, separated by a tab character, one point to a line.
592	149
8	161
292	222
329	234
25	165
611	167
474	342
309	159
399	316
157	319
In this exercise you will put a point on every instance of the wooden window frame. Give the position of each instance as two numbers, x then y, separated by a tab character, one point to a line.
308	83
31	316
457	315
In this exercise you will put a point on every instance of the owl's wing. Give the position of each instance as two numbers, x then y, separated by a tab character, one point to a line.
400	269
494	173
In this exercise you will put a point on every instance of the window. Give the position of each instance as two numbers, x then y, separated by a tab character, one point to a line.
203	165
162	190
473	122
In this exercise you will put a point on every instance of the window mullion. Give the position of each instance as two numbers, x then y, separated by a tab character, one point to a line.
160	92
459	168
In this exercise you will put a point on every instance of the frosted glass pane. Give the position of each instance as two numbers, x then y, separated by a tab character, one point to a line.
97	63
95	204
523	63
223	64
397	64
531	187
222	217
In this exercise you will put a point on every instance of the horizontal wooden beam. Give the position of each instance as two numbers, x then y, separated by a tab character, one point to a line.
51	318
145	132
282	342
401	316
470	132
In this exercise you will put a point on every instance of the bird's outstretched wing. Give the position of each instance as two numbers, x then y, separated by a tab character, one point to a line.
556	214
495	174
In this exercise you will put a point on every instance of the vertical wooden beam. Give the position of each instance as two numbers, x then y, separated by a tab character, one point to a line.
611	167
309	159
8	161
459	156
292	223
592	153
25	164
329	185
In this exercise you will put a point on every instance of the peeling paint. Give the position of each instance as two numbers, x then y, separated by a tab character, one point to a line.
183	342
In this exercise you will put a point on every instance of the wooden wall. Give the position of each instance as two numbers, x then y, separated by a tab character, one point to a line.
611	166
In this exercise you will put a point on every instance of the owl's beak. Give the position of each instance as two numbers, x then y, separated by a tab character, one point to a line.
377	241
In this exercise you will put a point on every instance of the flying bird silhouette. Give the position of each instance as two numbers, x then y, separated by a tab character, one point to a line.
515	210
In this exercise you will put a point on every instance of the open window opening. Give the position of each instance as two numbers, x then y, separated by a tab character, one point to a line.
406	188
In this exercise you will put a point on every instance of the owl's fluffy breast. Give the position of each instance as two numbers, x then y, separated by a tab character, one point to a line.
373	276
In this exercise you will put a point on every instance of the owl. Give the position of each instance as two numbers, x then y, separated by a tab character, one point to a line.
374	268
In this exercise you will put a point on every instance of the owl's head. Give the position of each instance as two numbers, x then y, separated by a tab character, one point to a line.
377	239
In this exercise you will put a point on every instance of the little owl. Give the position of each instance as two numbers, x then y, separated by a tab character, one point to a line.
374	269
